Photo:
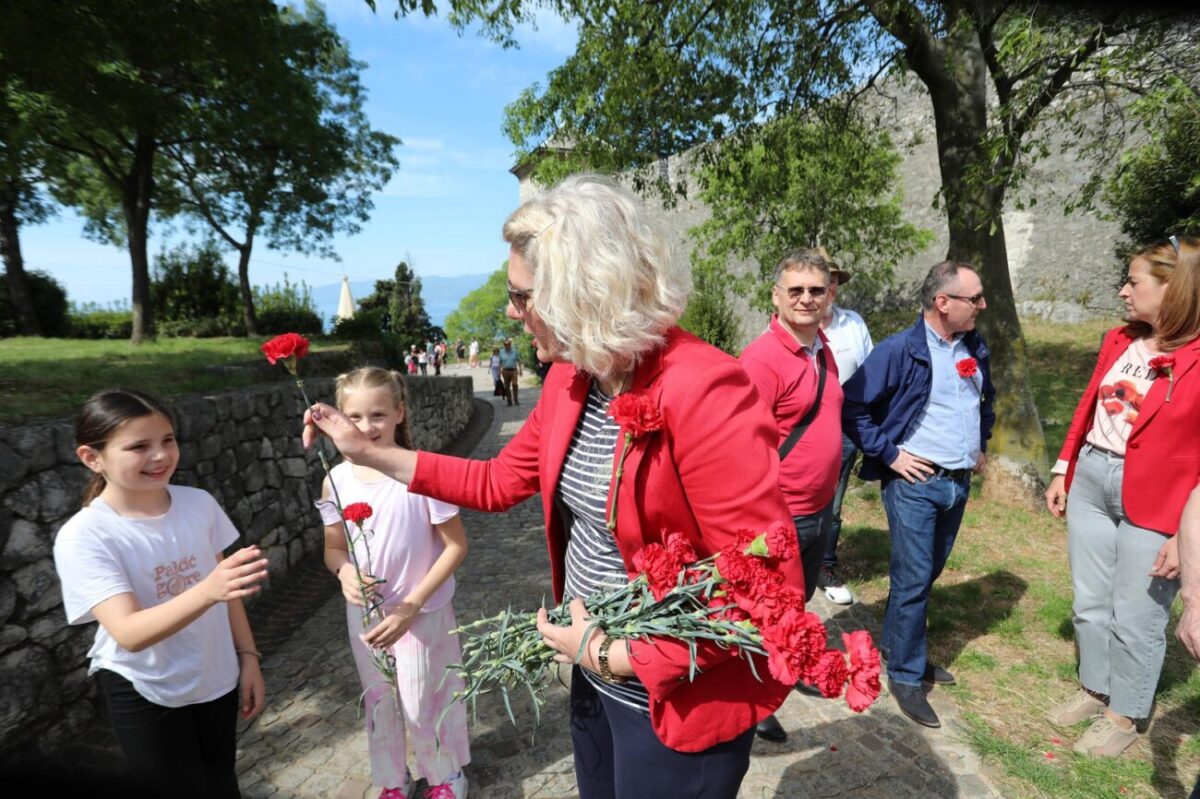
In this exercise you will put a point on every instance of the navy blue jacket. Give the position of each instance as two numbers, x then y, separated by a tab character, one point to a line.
885	396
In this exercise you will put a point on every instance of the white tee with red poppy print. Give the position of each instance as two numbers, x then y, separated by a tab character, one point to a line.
1119	401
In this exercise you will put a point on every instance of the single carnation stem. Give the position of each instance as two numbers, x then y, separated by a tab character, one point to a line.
616	486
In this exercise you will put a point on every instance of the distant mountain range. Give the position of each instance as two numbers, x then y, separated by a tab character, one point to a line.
441	294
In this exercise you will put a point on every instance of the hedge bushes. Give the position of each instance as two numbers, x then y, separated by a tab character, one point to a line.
49	301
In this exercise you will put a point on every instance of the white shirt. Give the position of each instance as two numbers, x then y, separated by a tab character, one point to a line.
100	554
849	340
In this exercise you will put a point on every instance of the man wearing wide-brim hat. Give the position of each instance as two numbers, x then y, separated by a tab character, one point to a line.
851	343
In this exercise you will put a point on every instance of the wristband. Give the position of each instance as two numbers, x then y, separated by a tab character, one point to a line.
602	658
248	652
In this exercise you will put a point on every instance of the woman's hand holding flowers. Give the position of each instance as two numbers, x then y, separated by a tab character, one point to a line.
568	641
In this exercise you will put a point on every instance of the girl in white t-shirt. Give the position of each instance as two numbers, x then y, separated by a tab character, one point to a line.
415	544
174	655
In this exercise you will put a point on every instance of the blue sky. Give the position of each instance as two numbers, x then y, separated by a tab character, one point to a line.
444	96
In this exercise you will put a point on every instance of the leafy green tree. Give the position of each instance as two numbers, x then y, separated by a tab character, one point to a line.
116	82
406	309
481	314
192	285
26	164
295	160
649	80
47	301
1155	190
794	182
709	313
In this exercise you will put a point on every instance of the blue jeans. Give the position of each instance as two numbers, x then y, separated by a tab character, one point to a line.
923	519
849	457
812	531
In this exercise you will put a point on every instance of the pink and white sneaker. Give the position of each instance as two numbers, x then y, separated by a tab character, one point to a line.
405	791
453	788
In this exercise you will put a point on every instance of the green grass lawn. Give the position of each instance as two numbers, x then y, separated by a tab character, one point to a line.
50	378
1001	620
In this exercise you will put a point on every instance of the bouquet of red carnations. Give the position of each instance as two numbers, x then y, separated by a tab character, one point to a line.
736	598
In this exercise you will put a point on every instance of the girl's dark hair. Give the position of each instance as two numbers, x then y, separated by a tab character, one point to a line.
102	415
374	377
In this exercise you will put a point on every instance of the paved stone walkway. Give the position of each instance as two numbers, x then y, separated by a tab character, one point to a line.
309	742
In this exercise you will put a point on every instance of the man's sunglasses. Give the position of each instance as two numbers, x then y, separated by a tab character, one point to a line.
797	292
974	299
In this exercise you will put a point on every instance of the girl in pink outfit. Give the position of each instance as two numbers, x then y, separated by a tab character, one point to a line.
415	545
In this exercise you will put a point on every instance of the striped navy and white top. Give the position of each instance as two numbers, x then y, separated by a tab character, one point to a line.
594	563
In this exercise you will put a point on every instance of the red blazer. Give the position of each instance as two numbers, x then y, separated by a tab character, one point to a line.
1162	458
710	471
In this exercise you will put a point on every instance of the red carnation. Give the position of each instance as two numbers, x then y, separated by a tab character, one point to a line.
285	346
864	670
357	512
661	570
635	413
680	548
781	541
1162	363
793	644
733	566
1165	364
967	367
829	673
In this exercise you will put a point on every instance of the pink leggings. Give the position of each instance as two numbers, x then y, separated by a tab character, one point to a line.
422	657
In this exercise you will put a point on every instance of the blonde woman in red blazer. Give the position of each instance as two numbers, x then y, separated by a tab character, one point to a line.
597	290
1127	467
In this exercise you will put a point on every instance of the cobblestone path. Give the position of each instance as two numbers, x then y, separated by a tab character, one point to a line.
309	742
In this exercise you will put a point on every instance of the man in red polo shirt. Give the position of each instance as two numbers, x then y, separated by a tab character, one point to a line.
786	364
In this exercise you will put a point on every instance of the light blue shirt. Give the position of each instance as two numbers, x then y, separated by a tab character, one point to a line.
947	431
508	358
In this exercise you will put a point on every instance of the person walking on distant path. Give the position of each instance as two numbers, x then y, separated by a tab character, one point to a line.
921	410
510	371
850	342
797	379
474	354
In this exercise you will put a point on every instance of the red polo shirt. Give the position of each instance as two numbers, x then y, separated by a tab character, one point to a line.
786	379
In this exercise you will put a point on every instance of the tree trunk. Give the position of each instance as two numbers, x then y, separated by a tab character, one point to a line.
14	265
137	198
244	289
1017	450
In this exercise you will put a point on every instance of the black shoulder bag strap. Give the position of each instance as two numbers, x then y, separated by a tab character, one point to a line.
803	424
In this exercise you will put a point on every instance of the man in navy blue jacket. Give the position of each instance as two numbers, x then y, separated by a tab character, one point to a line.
921	408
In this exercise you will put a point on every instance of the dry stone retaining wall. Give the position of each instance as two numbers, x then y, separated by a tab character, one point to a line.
242	446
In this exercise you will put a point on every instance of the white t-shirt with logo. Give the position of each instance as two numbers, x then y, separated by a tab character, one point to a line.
100	554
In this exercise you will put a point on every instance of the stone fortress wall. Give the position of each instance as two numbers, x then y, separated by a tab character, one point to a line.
242	446
1063	266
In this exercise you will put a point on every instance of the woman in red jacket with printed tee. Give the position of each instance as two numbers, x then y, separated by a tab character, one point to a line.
599	293
1130	460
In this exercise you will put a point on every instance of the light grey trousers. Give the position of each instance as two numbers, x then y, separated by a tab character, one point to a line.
1121	612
